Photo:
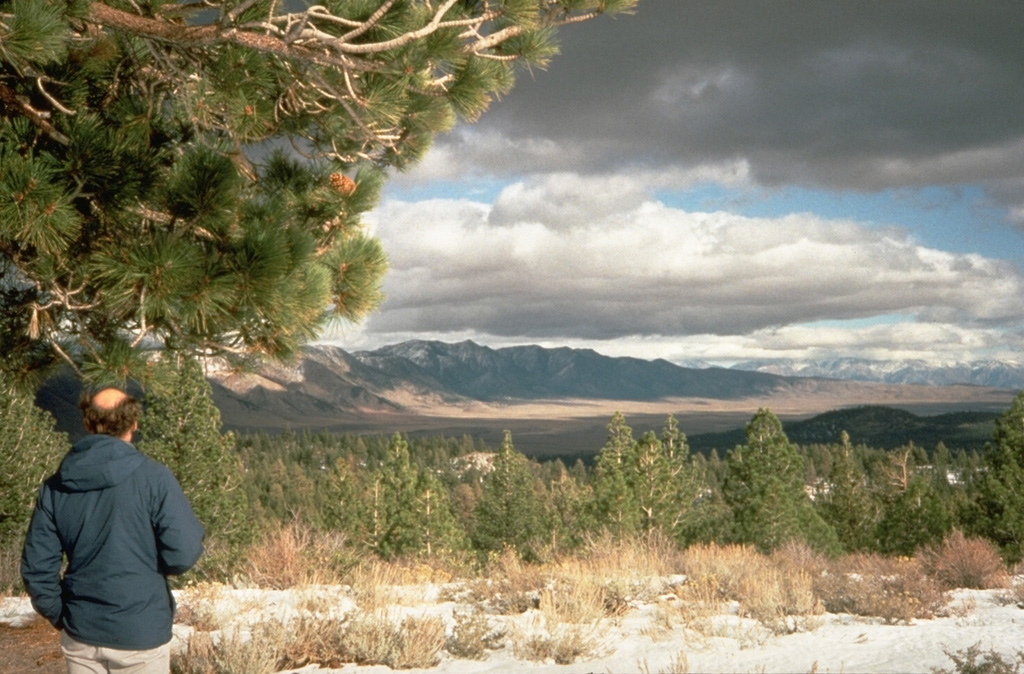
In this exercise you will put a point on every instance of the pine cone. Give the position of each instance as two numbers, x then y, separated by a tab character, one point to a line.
343	184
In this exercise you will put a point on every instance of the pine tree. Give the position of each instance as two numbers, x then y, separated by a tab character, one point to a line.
847	505
912	518
30	451
615	502
1000	500
665	483
141	201
569	510
765	489
685	483
410	510
440	530
652	486
341	500
181	429
510	511
393	498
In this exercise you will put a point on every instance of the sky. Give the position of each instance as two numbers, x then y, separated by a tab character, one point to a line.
720	180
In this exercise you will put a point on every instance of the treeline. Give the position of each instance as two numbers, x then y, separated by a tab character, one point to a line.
402	496
408	497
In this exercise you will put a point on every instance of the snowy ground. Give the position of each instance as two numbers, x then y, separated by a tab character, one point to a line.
643	641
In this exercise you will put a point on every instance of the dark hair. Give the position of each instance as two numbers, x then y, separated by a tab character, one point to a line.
116	420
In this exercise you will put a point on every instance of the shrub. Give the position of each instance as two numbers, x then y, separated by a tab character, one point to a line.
30	451
973	661
728	565
10	570
295	556
234	653
374	639
545	638
961	562
471	635
768	589
893	589
306	640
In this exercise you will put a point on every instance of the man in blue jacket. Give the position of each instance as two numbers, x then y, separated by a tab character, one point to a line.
124	525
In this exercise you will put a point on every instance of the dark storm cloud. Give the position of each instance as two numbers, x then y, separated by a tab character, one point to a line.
860	95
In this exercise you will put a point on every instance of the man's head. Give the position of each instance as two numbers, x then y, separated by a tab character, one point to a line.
110	412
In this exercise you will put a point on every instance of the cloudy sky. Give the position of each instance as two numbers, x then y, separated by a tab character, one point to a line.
721	180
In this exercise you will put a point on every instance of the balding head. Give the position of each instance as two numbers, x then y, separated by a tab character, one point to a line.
110	412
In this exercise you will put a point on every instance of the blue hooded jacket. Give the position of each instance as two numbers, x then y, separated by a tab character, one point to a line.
125	525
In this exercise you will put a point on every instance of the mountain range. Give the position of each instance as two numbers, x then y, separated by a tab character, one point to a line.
998	374
539	393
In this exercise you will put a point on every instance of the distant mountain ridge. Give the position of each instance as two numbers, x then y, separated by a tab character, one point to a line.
469	388
327	380
997	374
875	426
533	372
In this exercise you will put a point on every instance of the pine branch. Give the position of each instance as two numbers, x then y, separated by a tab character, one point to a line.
203	36
11	99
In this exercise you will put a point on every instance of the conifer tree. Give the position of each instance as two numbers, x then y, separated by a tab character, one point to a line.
510	511
181	429
191	176
341	499
912	518
913	514
440	530
847	505
393	497
30	451
1000	499
765	489
685	482
652	483
569	509
615	502
410	511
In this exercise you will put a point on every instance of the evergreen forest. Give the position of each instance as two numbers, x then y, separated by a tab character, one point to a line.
456	500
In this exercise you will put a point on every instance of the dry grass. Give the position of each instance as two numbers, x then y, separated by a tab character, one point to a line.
375	639
296	556
306	640
233	653
645	557
729	566
545	638
961	562
694	604
776	591
894	590
509	586
472	635
273	645
560	611
376	585
626	572
198	607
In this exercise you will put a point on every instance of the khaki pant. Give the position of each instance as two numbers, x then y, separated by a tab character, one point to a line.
85	659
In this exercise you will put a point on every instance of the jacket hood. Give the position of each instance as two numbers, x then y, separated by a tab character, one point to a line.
98	462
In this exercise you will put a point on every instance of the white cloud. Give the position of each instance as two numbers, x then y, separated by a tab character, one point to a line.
570	258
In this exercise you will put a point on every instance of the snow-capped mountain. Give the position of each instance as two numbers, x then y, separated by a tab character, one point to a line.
1008	375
